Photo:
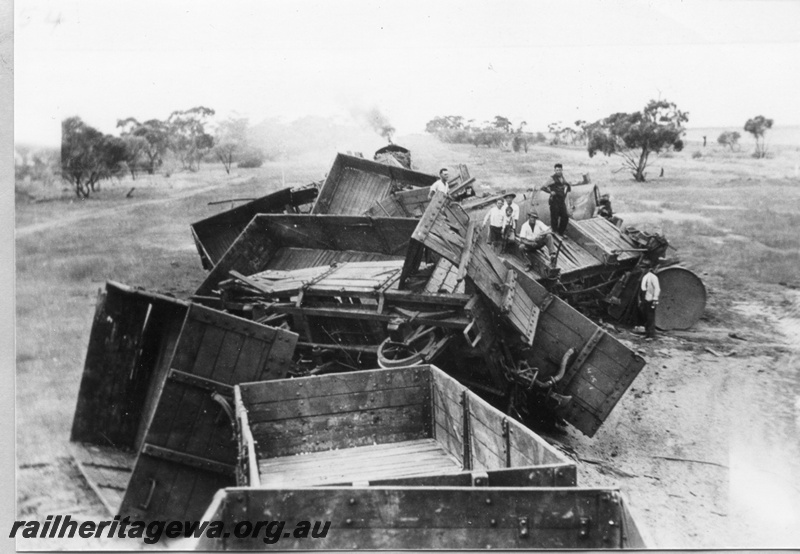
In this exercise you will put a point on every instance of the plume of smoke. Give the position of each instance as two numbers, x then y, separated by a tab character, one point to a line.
376	121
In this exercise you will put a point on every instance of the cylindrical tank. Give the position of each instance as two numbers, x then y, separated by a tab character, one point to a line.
682	300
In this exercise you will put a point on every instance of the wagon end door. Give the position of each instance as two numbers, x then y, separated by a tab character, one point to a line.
189	450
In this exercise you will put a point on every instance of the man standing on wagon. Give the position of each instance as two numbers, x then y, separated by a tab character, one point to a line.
509	198
440	185
558	189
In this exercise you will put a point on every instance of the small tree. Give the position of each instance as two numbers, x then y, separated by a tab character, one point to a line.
757	126
635	136
502	123
188	137
729	139
155	134
556	130
88	156
230	141
135	148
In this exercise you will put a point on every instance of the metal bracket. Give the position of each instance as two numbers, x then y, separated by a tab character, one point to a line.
508	296
586	524
507	441
467	452
524	530
587	349
199	382
480	479
188	460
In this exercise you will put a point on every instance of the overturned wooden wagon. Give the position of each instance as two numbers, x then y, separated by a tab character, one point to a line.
354	184
150	431
405	458
299	241
214	235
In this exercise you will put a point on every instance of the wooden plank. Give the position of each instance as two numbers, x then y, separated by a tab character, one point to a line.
466	254
373	451
308	387
102	494
358	464
277	357
488	444
461	479
339	431
454	322
334	404
448	414
249	363
449	436
532	448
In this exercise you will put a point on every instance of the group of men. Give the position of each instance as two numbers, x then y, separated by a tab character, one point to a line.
534	235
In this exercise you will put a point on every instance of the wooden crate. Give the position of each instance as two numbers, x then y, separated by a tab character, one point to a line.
354	185
406	458
214	235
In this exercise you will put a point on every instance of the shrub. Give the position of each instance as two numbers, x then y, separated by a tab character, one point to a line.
252	158
697	154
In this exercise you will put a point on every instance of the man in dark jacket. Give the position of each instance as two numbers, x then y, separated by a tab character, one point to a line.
558	188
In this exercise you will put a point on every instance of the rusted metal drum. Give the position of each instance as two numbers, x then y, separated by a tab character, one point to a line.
682	300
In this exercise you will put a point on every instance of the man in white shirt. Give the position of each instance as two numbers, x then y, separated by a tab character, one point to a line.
533	235
495	218
651	290
441	184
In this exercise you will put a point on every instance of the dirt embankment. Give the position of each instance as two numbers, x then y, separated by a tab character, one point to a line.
706	442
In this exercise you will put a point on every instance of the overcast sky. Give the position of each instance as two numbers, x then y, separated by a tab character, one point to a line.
538	61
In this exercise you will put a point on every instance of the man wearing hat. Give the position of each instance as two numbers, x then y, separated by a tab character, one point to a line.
509	198
558	188
533	235
441	184
650	291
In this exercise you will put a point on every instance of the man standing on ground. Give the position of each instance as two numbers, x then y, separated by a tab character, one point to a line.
441	184
651	290
533	235
558	188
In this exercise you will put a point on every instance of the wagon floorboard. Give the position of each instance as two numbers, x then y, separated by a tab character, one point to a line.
358	464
